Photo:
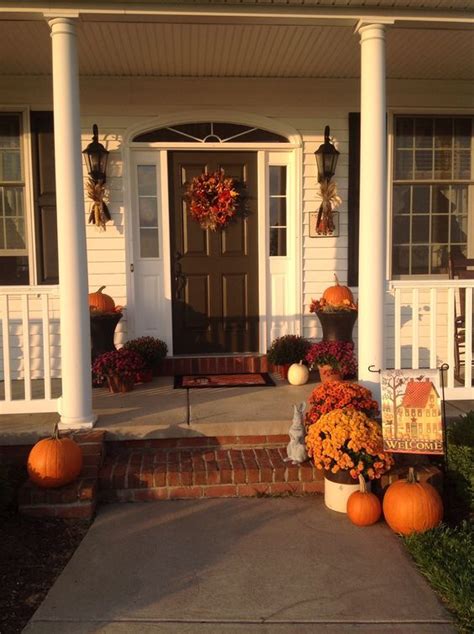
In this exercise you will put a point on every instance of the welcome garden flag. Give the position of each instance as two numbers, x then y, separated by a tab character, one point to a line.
411	411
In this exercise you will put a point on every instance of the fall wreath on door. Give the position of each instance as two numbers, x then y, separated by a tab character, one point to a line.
212	199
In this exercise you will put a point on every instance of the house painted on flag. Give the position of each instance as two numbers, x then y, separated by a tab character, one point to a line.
419	414
178	89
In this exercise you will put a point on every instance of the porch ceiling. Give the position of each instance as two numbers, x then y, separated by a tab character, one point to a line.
177	49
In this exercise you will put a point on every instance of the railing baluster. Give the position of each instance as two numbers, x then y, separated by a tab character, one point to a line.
7	377
46	346
468	340
415	340
398	354
450	337
25	325
433	327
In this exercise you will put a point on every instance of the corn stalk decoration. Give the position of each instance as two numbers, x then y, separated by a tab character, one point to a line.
329	202
99	213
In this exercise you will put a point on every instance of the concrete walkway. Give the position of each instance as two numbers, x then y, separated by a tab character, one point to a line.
282	565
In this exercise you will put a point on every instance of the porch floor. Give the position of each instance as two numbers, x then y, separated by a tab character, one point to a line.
157	410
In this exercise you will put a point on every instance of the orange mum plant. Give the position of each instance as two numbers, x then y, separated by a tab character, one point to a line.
348	440
338	395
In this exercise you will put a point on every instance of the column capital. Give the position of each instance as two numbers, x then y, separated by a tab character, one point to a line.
377	25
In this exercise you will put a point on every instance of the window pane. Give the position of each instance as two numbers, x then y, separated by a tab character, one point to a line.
146	180
401	230
421	199
401	260
442	166
420	229
462	133
439	258
277	180
423	164
420	260
459	196
404	132
440	229
423	133
459	229
14	271
440	202
10	166
277	242
462	164
443	133
278	212
401	199
148	212
9	131
14	233
404	165
149	243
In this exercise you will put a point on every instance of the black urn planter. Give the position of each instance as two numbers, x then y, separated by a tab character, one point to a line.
337	326
102	333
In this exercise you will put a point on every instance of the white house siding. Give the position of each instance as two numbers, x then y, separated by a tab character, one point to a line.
117	104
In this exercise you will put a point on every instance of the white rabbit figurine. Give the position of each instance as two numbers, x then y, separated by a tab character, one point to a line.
296	449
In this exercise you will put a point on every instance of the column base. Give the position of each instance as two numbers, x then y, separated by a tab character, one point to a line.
66	422
373	386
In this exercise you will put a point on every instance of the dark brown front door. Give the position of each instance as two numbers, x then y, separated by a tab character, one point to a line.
215	273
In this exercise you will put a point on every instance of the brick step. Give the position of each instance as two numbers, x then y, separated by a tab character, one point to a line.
213	364
162	474
197	442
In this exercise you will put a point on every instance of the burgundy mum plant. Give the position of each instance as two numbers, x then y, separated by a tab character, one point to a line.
337	354
124	364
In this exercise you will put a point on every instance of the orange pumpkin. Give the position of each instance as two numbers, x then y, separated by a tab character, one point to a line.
101	302
363	507
337	294
412	507
55	461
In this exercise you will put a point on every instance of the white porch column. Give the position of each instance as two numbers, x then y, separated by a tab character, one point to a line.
373	204
76	401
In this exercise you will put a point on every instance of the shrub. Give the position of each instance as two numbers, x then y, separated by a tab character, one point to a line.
460	477
150	349
124	364
288	349
337	354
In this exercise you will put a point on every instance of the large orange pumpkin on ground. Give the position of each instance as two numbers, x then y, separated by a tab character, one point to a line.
54	462
101	302
337	294
363	507
412	507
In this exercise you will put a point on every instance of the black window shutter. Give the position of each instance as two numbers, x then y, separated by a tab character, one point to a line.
44	188
353	198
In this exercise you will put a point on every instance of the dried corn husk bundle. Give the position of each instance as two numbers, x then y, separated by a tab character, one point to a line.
330	201
99	213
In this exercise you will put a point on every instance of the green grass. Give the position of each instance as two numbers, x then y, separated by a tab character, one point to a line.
445	555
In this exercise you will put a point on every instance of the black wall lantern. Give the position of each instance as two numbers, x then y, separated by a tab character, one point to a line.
96	157
326	158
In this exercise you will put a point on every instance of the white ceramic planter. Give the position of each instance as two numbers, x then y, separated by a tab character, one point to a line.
336	494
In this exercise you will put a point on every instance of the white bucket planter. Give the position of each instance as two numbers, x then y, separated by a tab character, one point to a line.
336	494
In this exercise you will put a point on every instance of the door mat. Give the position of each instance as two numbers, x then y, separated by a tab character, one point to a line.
257	379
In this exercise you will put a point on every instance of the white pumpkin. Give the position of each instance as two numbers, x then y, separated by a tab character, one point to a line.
298	374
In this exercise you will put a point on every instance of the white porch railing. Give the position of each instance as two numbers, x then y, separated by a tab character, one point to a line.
30	361
424	317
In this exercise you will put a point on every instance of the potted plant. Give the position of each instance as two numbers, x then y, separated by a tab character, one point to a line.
339	395
286	350
335	359
336	311
346	443
152	351
104	317
118	368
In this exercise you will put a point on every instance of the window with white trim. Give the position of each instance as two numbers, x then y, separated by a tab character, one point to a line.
433	192
14	268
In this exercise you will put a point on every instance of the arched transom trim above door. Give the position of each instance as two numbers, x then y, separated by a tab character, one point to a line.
210	132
